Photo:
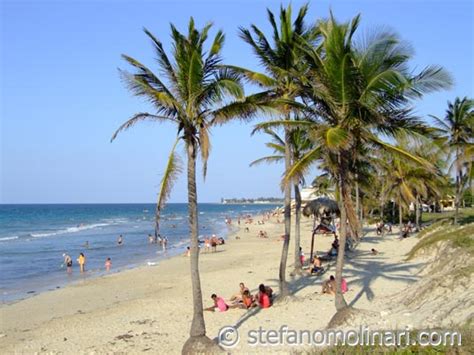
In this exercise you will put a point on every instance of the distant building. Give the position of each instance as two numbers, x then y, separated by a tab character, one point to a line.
311	193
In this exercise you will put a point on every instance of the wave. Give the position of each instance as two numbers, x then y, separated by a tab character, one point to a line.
70	230
8	238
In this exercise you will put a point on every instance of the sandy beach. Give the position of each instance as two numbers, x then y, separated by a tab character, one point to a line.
150	308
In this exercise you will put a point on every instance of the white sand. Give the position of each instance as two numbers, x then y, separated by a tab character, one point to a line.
149	308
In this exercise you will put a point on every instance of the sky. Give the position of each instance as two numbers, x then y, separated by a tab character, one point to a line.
61	97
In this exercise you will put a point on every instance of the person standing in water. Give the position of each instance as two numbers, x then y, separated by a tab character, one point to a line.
120	240
82	262
108	264
68	263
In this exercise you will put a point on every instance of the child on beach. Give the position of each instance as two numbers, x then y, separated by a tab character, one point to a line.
301	256
108	264
81	260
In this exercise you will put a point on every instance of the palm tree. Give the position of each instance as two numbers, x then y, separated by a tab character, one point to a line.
354	93
281	59
300	144
457	128
191	94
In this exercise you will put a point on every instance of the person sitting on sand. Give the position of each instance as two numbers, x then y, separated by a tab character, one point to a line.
248	301
108	264
264	296
329	286
334	247
238	296
68	263
317	265
373	251
81	260
219	303
247	229
120	240
380	228
187	252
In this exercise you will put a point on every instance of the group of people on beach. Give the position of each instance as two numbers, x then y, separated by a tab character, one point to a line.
81	260
210	244
244	299
158	239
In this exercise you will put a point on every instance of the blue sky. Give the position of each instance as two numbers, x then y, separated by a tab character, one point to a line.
61	96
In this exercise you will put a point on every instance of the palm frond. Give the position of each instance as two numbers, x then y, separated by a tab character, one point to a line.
170	175
268	160
139	117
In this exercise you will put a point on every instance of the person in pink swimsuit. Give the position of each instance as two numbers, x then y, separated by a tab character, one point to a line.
219	303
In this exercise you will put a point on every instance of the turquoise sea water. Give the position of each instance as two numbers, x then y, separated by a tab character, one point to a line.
33	239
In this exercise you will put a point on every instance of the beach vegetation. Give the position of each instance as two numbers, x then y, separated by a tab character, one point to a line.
193	92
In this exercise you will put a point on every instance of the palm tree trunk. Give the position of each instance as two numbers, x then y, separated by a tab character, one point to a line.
381	208
352	217
340	302
286	243
198	327
298	266
458	187
400	217
357	196
393	212
417	212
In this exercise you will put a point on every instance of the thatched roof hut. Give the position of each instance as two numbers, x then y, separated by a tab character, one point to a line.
320	207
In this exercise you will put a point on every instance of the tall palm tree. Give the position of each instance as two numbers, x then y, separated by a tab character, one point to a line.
281	58
300	144
457	128
192	94
355	93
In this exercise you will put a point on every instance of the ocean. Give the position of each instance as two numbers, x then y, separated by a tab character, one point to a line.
33	239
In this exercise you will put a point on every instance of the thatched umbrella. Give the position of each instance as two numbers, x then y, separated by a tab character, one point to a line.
322	208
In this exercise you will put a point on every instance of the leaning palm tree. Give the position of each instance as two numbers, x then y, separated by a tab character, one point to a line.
354	93
457	128
281	59
299	144
192	94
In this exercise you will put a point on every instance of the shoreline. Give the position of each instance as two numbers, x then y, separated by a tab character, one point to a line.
101	272
150	307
